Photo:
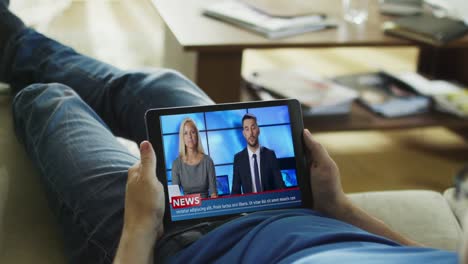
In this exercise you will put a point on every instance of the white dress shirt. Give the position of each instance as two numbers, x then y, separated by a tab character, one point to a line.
252	171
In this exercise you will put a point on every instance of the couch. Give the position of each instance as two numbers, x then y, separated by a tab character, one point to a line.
29	233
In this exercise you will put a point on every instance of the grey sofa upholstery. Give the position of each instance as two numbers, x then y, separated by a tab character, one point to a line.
30	234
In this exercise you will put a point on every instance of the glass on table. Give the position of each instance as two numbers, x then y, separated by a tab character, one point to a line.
355	11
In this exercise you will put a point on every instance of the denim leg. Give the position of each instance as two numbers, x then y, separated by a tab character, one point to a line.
119	97
82	166
10	24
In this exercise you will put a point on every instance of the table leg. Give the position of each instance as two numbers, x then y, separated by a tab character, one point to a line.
175	57
461	131
218	73
444	63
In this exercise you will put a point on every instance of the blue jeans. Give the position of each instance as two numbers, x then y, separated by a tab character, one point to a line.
68	109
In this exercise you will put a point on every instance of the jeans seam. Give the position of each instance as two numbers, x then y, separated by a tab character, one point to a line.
83	225
69	65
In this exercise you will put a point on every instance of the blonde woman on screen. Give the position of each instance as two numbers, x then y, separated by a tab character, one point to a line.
193	170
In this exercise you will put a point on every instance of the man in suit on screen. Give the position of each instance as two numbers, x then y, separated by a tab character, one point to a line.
256	168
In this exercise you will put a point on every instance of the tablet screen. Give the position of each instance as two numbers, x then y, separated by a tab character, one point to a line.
229	162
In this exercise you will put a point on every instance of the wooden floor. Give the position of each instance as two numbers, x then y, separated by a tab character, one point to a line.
128	34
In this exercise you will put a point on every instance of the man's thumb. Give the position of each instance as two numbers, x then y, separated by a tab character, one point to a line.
317	151
147	156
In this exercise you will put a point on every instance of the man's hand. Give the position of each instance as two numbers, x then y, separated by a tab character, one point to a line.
144	210
327	192
330	199
144	198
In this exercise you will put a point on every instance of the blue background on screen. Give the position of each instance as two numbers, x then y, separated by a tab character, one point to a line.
271	115
225	170
222	185
224	119
224	144
169	176
289	177
221	135
277	138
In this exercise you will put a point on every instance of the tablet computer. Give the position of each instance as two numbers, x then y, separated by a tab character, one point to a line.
207	165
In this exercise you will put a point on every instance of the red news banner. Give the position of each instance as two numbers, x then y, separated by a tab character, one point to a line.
185	201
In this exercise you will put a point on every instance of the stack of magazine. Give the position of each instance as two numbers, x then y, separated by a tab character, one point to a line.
268	24
426	28
386	94
455	103
448	97
318	96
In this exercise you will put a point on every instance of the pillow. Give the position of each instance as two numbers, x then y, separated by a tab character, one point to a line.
424	216
459	207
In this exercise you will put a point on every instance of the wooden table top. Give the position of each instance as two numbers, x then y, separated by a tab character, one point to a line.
197	32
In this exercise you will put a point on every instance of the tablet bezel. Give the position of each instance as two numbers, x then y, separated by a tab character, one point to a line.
154	135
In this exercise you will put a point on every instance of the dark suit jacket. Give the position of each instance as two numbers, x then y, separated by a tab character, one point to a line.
269	170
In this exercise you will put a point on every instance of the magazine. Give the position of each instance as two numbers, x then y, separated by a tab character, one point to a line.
425	28
448	97
385	95
318	96
245	16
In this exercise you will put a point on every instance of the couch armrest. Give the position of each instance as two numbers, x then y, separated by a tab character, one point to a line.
423	216
459	207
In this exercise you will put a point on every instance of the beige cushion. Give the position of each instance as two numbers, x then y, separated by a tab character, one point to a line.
459	207
28	230
423	216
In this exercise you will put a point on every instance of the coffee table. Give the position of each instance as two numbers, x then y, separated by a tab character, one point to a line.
209	52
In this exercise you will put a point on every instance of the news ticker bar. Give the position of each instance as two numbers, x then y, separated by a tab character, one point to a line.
238	204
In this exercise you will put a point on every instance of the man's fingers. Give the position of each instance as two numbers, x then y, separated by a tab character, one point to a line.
148	158
317	151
